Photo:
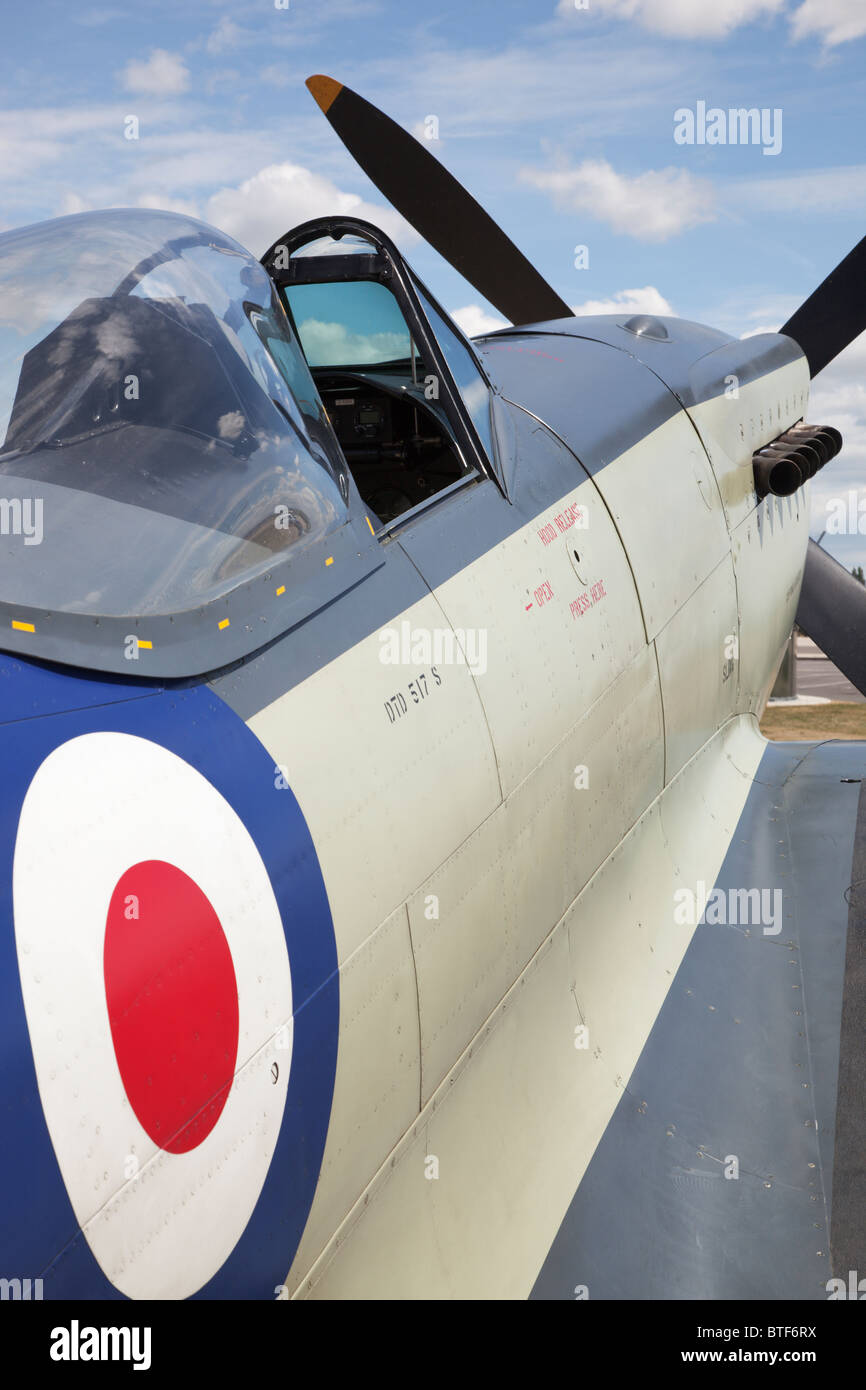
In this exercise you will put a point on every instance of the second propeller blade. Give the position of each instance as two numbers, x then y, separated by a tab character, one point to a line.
835	314
438	207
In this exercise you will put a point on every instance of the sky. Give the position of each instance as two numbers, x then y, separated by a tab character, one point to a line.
560	116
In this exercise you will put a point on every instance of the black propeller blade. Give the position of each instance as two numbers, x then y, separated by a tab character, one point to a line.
832	611
438	207
835	314
832	608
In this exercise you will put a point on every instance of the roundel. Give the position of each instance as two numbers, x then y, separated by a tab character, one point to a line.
158	992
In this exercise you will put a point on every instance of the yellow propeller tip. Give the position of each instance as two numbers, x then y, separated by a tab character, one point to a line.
324	89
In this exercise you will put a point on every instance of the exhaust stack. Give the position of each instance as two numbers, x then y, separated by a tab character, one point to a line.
786	463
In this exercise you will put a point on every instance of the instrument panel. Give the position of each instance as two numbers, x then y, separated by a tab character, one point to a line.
399	452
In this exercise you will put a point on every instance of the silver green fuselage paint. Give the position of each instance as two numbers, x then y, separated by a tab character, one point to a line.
514	743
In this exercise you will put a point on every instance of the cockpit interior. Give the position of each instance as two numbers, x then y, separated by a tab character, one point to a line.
378	386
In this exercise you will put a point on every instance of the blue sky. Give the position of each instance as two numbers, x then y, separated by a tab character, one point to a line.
560	120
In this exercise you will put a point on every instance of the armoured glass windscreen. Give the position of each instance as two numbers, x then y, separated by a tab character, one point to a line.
161	438
349	323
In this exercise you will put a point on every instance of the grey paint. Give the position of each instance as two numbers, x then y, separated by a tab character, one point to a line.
597	398
436	544
190	641
742	1060
593	399
848	1229
262	678
745	359
692	361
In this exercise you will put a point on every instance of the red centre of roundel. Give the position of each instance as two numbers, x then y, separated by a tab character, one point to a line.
172	1003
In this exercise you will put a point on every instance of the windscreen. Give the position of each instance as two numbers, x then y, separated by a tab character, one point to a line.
348	323
161	438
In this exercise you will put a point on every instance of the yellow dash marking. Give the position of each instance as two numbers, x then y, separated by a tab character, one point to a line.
281	590
224	623
370	524
330	560
148	646
324	89
22	627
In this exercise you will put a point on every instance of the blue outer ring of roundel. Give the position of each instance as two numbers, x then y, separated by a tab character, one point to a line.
41	708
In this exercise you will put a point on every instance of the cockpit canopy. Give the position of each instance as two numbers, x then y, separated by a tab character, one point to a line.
164	452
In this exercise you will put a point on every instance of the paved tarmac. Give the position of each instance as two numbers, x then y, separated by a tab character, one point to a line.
818	676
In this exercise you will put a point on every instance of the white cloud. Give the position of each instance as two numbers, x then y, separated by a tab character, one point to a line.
279	197
835	21
165	204
93	18
817	192
648	300
332	344
545	73
176	169
32	137
71	203
230	425
652	206
183	161
162	74
474	320
226	35
683	19
275	75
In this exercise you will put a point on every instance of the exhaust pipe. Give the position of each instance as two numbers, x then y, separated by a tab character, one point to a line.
833	438
786	463
824	438
777	472
807	456
820	443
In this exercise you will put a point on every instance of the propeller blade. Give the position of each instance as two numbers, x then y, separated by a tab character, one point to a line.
835	314
832	611
438	207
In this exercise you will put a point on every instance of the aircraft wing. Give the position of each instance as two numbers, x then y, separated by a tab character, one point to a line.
730	1167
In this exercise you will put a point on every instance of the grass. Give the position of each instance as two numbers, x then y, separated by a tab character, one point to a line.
838	719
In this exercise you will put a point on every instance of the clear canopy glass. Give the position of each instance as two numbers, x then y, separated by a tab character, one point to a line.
159	426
